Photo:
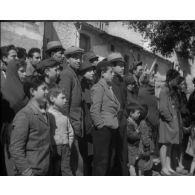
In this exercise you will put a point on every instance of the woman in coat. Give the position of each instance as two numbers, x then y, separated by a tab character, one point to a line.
104	110
13	99
170	120
87	80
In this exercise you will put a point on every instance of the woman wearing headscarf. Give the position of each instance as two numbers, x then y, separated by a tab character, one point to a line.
170	120
13	99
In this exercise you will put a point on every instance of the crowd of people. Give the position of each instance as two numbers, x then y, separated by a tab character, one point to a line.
71	114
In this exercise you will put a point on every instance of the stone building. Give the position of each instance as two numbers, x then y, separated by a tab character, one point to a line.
101	37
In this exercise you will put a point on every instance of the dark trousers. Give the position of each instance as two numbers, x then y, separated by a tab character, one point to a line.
104	141
121	160
77	153
61	161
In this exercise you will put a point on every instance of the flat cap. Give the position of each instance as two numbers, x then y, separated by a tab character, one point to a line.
54	45
89	56
47	63
115	57
73	50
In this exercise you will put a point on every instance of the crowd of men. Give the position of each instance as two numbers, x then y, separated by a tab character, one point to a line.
72	114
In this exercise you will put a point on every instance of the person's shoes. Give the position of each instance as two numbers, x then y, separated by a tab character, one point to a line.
181	171
165	174
155	173
174	173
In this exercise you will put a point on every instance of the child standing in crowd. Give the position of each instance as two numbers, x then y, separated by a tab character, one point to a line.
63	134
139	135
146	146
30	137
133	138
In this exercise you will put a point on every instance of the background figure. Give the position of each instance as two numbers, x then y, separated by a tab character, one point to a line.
34	57
21	53
8	53
87	80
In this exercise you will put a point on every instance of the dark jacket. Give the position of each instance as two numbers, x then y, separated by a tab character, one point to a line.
185	112
70	82
86	105
191	106
120	92
30	141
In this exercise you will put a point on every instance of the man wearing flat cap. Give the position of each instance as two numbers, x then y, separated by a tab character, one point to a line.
91	57
70	82
119	89
137	71
50	69
55	50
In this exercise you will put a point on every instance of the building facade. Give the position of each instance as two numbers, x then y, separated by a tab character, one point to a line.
100	37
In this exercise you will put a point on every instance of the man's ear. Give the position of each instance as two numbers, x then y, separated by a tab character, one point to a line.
46	71
51	98
32	91
4	59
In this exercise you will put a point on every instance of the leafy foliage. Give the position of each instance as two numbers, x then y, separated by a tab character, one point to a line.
166	36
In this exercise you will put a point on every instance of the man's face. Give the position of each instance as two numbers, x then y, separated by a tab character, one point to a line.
12	55
58	56
138	71
75	61
35	59
119	69
40	94
53	73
